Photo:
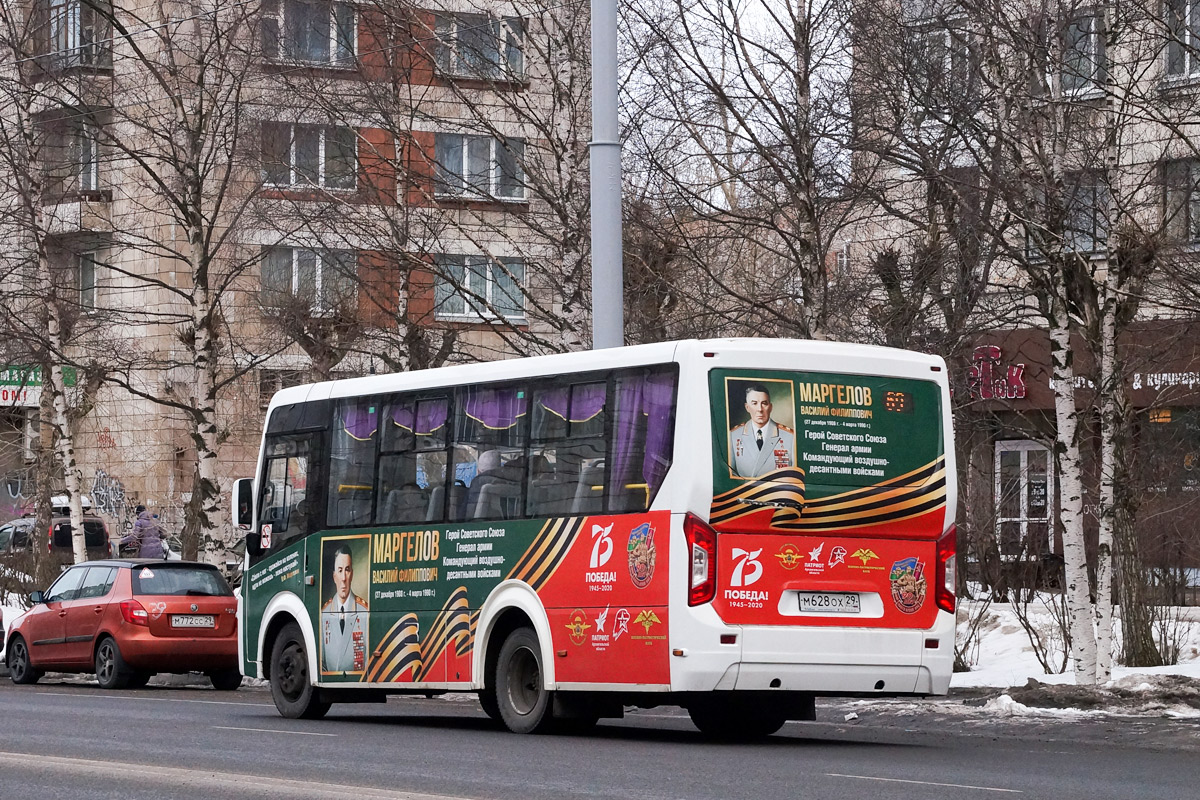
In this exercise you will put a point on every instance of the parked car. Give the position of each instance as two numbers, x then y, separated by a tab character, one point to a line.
16	537
127	619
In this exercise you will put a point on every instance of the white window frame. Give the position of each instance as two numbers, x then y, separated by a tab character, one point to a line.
88	304
295	178
1181	196
276	17
1186	37
77	33
448	29
463	173
956	54
319	306
1024	447
471	300
1095	52
85	144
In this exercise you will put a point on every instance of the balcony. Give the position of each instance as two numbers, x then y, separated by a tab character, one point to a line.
82	212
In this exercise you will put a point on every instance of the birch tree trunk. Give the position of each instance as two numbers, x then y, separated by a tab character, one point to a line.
1110	419
1070	472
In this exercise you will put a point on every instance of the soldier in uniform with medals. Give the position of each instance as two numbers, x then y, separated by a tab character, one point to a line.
760	445
343	620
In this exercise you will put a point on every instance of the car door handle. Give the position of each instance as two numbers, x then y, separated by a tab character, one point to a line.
62	613
99	609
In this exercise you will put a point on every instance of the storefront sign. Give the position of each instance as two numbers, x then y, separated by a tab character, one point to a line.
989	380
22	386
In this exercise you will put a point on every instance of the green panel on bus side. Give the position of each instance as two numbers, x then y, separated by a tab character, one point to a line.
278	572
401	605
819	452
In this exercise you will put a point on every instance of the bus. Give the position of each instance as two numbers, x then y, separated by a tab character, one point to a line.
735	527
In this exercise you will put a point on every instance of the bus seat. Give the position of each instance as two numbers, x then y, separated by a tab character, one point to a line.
437	500
353	511
588	498
404	505
552	495
498	500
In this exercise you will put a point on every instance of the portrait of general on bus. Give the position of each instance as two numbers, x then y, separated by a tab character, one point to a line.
345	579
762	418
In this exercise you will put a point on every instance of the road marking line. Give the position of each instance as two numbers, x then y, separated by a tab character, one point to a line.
271	730
924	783
232	784
152	699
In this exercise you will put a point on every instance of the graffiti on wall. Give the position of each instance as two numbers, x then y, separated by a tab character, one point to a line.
18	495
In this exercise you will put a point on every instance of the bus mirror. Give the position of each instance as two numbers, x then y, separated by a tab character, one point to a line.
242	503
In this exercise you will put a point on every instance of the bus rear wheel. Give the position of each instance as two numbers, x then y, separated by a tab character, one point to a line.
293	693
523	701
729	720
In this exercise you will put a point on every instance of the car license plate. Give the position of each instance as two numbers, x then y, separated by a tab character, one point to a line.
193	621
829	602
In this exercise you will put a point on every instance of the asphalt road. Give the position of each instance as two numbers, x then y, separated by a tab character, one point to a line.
67	740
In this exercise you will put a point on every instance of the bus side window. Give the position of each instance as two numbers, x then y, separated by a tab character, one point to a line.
643	437
286	502
412	461
490	430
566	457
352	462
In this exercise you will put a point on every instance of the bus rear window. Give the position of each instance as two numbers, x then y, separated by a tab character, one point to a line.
165	579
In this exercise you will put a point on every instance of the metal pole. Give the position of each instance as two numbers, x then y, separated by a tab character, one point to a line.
608	303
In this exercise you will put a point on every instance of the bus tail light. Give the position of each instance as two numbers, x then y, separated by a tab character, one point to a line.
702	549
946	552
133	613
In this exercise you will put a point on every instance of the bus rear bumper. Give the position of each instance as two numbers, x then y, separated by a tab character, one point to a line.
826	660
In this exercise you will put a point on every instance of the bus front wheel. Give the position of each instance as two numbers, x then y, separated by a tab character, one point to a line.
292	691
524	702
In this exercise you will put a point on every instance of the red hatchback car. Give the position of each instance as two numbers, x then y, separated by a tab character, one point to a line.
128	619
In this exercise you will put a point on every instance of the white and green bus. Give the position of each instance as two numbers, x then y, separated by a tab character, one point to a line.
731	526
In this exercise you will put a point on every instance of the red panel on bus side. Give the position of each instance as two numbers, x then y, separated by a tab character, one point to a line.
761	577
607	601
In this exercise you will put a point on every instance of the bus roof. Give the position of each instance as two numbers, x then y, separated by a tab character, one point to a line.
590	361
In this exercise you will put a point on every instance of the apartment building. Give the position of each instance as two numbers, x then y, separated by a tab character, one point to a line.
294	189
1031	149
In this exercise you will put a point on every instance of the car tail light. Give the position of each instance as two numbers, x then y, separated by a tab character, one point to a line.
702	549
947	548
133	613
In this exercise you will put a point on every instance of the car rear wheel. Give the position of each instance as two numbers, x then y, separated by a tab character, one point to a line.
293	693
225	680
111	670
523	701
19	667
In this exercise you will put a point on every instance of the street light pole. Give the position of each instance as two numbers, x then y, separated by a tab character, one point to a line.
608	280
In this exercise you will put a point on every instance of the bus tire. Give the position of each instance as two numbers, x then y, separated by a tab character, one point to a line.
524	703
736	722
293	693
489	703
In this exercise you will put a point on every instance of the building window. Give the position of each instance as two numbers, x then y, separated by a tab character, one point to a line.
1024	475
1181	212
323	281
271	381
944	72
1085	199
77	33
309	155
1183	31
479	287
85	157
479	166
1083	52
309	30
479	46
87	281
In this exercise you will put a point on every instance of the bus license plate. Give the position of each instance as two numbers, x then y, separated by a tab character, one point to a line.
829	602
192	621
